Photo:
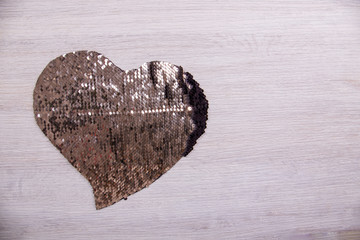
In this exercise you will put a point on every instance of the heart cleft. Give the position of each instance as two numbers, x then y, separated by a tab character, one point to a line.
120	129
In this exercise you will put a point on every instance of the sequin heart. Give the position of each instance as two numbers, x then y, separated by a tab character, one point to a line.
120	129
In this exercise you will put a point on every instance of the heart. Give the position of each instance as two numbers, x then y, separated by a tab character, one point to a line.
120	129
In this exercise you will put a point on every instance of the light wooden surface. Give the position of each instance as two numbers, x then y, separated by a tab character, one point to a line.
281	155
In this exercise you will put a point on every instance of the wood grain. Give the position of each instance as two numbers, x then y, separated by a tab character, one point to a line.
280	158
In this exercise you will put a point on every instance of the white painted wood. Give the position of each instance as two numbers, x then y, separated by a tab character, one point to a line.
281	155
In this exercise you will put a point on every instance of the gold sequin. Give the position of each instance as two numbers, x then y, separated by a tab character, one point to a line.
120	129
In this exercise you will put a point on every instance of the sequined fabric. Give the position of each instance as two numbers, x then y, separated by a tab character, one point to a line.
120	129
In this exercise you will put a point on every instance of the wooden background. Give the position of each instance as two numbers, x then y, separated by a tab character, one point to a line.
280	158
